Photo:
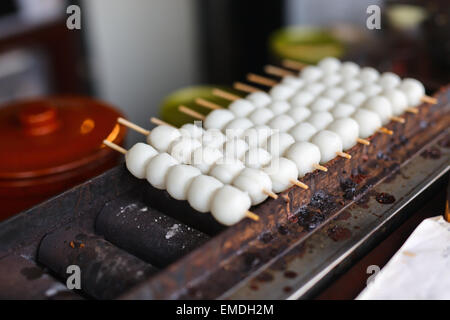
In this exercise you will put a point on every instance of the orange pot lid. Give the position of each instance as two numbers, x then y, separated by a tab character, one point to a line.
50	135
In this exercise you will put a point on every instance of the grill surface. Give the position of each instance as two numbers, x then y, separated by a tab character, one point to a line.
167	250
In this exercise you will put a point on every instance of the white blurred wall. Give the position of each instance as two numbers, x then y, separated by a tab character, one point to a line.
140	51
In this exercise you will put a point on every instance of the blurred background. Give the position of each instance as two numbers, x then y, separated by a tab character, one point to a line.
134	53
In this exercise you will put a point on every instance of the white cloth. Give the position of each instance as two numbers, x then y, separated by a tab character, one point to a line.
419	270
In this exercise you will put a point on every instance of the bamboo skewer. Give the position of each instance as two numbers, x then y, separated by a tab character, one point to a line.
291	64
192	113
225	95
344	155
386	131
159	122
277	71
208	104
133	126
245	87
412	110
428	99
300	184
398	119
363	141
261	80
270	194
319	167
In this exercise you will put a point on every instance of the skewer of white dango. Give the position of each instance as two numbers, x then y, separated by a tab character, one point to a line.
299	113
381	106
259	99
414	91
279	107
303	131
371	89
256	183
348	130
283	173
311	73
178	180
201	192
282	122
368	75
349	70
281	92
261	116
329	65
330	145
355	98
204	158
369	123
278	143
389	80
302	99
227	169
182	149
320	119
230	205
256	158
332	80
398	100
294	82
342	110
321	104
334	93
350	85
306	157
227	204
315	88
137	158
257	136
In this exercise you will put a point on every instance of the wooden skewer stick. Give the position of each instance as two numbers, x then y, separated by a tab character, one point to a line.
245	87
277	71
291	64
412	110
343	155
319	167
363	141
207	104
270	194
225	95
192	113
159	122
114	146
386	131
398	119
261	80
251	215
133	126
428	99
300	184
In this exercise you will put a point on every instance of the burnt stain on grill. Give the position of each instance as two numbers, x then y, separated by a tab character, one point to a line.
385	198
445	142
32	273
282	229
431	153
265	277
287	289
349	187
337	233
266	237
290	274
313	214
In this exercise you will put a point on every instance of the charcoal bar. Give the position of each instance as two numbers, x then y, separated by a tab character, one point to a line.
147	233
182	211
21	278
106	271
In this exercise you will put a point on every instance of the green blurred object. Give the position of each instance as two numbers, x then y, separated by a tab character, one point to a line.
186	97
305	44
